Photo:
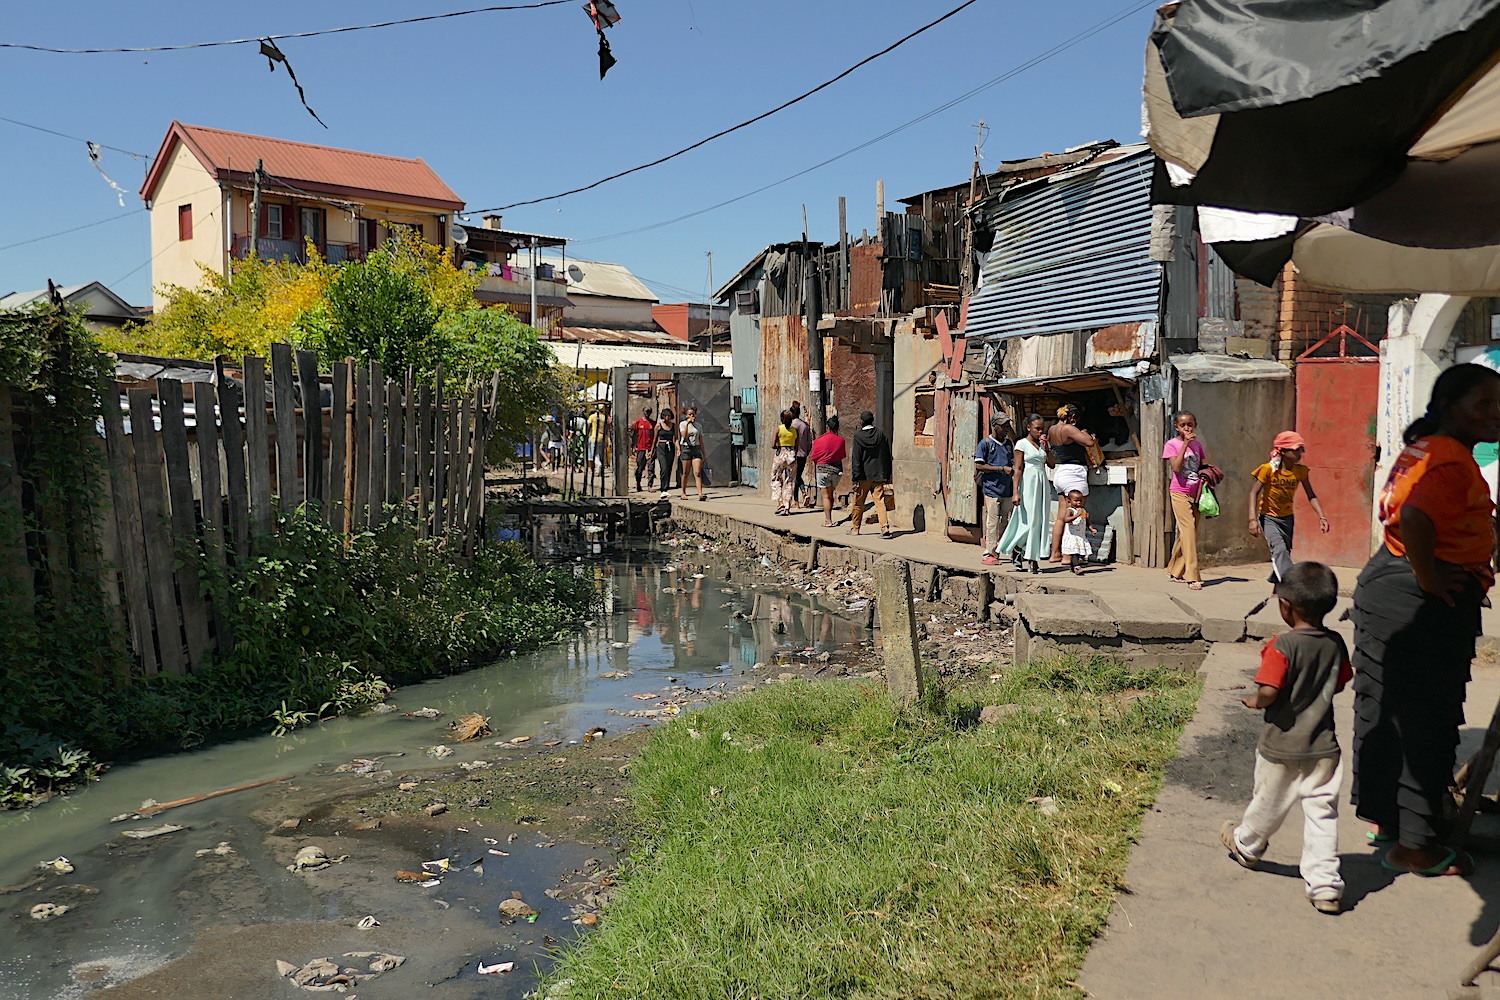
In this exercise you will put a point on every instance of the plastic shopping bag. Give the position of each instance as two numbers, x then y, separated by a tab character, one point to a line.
1208	504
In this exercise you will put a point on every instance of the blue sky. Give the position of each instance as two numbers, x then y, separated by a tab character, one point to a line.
508	106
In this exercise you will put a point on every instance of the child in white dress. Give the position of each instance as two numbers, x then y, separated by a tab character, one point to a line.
1075	540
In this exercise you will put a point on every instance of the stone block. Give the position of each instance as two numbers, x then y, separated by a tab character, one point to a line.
1142	654
898	629
1265	622
1145	614
1065	614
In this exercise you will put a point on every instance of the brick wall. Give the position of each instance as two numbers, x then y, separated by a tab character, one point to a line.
1260	307
1307	313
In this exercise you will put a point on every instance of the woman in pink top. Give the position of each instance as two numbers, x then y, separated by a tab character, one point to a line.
828	465
1186	455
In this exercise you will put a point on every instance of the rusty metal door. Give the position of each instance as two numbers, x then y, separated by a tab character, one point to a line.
1336	401
710	394
963	441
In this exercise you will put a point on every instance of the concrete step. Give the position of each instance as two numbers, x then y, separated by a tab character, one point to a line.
1154	634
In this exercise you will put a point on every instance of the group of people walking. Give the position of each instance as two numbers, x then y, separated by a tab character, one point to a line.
665	445
869	468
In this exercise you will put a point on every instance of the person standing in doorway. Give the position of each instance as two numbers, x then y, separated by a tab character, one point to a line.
1273	487
690	452
784	464
598	429
870	465
1186	456
804	448
1030	524
828	465
644	433
1070	466
993	461
665	449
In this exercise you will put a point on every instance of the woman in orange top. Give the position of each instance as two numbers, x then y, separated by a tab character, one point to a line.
1416	614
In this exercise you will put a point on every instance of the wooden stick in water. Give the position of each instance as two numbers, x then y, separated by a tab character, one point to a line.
164	806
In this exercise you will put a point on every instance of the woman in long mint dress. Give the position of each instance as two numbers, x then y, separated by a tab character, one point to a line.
1029	534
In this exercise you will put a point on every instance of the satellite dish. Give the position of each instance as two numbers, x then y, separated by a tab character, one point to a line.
458	234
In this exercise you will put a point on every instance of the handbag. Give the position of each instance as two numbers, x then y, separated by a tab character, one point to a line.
1208	504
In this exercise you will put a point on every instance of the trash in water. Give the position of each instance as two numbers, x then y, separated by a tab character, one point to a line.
153	831
516	741
365	923
515	907
405	876
322	975
475	765
441	864
470	727
491	840
697	576
424	713
222	849
359	765
436	809
379	960
486	970
614	675
440	751
619	645
594	733
383	708
430	883
500	853
589	919
46	911
311	859
59	864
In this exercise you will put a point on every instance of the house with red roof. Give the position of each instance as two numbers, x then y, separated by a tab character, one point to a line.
202	195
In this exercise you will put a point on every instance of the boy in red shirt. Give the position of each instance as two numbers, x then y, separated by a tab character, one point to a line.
644	430
1298	760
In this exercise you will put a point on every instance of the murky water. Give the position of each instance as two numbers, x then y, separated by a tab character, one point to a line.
661	618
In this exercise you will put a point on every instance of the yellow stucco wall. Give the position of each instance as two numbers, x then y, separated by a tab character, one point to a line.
174	261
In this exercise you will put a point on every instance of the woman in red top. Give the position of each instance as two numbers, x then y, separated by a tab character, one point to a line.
828	465
1416	614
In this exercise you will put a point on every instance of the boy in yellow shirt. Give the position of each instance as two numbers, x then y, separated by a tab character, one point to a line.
1272	491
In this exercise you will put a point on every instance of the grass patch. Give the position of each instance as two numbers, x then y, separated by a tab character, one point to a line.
833	846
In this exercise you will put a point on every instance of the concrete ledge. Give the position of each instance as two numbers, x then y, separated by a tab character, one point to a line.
1066	615
1147	615
1143	654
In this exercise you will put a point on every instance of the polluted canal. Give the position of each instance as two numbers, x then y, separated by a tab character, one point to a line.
470	861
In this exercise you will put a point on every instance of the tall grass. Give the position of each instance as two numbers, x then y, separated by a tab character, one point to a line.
813	841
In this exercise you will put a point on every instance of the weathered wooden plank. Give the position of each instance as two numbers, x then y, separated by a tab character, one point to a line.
424	459
210	476
232	431
455	462
359	445
156	530
409	423
439	453
334	503
395	439
258	447
464	450
184	520
377	445
13	555
283	398
312	427
130	541
474	510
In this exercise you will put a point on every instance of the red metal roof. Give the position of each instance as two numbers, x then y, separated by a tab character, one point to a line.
322	169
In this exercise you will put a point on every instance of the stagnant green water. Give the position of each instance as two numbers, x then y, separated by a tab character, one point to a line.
660	618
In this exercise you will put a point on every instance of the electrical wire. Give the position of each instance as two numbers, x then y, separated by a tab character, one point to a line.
75	138
744	124
75	229
996	81
294	34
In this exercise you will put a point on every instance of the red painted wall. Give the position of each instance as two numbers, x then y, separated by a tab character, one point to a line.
1336	416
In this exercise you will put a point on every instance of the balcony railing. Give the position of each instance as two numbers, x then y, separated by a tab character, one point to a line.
296	250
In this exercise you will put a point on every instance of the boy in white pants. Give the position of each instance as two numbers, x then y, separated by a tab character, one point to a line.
1297	760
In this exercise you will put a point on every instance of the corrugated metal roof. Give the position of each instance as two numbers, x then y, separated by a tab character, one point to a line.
608	335
317	168
597	277
101	301
579	356
1070	252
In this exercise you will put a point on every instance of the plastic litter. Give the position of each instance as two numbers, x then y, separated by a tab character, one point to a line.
365	923
46	911
501	967
498	853
491	840
59	864
153	831
222	849
424	713
440	751
313	858
440	865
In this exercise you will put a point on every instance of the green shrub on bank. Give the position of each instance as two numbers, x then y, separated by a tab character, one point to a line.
810	840
318	631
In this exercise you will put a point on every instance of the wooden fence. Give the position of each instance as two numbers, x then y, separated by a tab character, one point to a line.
200	468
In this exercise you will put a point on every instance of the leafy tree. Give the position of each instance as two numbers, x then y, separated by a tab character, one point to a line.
379	313
480	342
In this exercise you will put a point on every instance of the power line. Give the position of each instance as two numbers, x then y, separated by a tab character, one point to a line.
75	229
295	34
64	135
747	122
1003	77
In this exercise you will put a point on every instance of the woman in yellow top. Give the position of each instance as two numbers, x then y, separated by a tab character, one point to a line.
1273	487
784	464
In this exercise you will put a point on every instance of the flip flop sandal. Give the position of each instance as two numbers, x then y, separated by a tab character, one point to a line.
1378	838
1436	871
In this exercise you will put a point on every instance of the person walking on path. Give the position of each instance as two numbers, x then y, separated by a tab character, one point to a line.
804	449
665	449
1273	487
690	452
1070	466
784	464
1416	615
644	433
1186	455
598	436
1298	760
993	460
870	464
828	465
1026	536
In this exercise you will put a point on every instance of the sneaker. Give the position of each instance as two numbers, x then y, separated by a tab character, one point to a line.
990	560
1226	836
1330	906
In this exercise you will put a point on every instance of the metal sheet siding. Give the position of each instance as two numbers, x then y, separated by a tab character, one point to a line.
1071	255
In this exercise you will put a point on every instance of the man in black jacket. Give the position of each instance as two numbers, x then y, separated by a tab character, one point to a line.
870	467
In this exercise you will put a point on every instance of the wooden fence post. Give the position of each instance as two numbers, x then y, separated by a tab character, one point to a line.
338	448
424	460
395	438
127	514
377	445
439	458
283	398
409	423
184	522
157	531
359	447
231	397
312	426
258	446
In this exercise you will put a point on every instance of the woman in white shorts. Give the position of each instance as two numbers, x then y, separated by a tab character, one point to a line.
1070	464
